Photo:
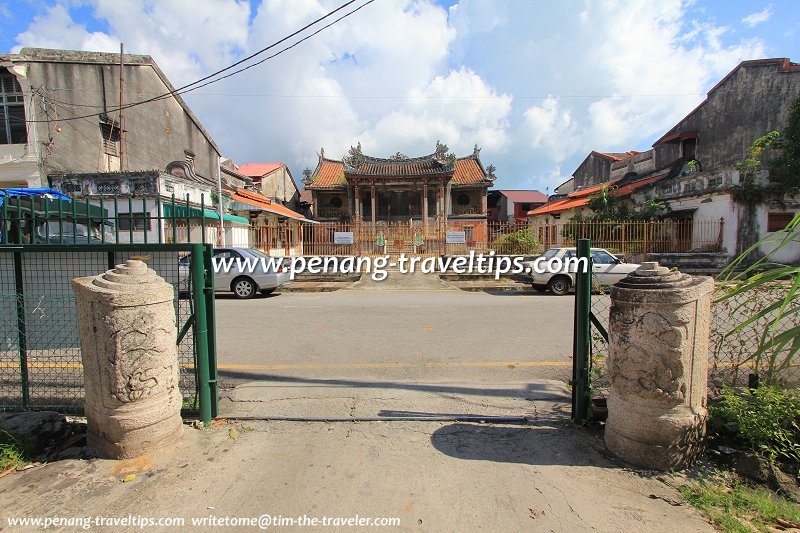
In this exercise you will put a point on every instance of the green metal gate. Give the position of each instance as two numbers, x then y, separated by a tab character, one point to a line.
590	338
45	243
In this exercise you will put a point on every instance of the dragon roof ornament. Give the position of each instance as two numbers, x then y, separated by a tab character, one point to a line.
490	173
307	180
442	155
354	159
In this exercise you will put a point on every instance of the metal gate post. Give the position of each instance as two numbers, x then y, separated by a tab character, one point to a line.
201	331
22	334
211	323
581	403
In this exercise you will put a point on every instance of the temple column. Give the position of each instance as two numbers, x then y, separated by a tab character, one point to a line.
424	204
448	200
439	202
358	202
374	204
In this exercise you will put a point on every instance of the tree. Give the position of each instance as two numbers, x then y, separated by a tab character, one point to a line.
784	177
606	206
784	170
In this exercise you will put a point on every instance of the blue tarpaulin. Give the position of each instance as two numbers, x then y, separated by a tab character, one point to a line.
38	192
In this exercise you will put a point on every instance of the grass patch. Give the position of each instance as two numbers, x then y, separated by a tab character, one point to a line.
737	507
14	451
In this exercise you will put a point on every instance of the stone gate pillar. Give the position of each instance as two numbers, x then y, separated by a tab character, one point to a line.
658	363
126	322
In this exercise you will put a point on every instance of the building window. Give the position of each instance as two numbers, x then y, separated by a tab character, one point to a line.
139	221
462	199
13	129
336	202
469	233
108	187
142	187
71	187
110	134
689	148
778	221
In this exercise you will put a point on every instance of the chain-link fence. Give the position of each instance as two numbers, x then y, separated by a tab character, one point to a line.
40	357
730	357
601	305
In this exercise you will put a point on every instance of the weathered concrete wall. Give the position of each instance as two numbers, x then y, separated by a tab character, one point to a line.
156	133
280	186
642	164
594	170
753	101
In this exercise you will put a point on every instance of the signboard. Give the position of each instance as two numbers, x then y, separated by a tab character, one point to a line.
456	237
342	237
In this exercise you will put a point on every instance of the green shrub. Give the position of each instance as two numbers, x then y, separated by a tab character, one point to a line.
767	419
520	242
14	451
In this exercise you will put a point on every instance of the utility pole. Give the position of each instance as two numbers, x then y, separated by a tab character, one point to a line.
221	239
121	114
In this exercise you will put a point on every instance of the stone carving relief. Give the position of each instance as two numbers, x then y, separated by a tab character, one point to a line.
139	366
653	368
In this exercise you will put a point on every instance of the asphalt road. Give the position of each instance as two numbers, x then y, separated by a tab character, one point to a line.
394	335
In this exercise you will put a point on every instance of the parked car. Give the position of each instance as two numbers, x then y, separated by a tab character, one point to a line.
607	269
242	282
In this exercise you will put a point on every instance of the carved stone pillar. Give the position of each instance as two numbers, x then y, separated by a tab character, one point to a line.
358	203
126	321
658	363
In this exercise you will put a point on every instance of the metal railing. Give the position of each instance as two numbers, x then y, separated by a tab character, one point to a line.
521	237
145	219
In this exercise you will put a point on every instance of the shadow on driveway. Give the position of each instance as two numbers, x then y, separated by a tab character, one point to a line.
530	391
545	442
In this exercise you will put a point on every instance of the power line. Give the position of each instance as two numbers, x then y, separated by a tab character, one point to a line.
281	51
187	88
400	95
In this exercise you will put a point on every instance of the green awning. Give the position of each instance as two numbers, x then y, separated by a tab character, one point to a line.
183	212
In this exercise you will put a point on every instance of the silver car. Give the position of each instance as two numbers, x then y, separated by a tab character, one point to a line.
249	271
607	269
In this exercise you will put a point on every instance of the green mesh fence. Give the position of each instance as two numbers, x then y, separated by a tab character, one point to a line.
40	359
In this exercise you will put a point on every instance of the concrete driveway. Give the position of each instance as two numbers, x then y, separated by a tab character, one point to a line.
308	354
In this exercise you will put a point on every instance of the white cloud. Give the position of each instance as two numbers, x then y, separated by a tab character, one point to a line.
56	29
759	17
458	108
551	128
537	87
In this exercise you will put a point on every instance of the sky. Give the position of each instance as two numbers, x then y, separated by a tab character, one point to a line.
536	84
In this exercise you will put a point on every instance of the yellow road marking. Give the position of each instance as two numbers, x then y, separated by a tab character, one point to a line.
481	364
333	366
313	366
350	291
